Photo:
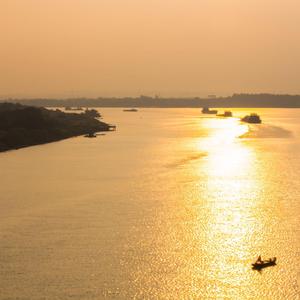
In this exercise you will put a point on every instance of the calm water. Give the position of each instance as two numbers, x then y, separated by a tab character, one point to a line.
173	205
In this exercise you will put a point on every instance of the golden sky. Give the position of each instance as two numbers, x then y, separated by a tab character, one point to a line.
62	48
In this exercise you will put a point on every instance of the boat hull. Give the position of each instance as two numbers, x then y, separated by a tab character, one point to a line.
264	264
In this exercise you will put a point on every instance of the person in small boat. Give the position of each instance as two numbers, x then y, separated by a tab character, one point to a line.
259	260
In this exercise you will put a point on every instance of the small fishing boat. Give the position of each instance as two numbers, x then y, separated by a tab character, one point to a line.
130	110
252	118
91	135
206	110
260	264
227	114
73	108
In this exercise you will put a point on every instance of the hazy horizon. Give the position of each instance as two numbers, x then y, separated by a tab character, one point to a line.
126	48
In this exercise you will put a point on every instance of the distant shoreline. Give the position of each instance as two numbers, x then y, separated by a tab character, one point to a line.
234	101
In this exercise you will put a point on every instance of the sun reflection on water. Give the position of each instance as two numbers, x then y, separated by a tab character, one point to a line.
232	198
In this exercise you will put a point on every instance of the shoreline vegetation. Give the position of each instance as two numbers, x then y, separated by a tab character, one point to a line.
23	126
236	100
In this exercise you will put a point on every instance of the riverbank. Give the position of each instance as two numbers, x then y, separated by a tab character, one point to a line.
23	126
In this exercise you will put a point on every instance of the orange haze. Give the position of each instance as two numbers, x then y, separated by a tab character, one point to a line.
166	47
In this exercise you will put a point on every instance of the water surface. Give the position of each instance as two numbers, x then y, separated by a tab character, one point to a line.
173	205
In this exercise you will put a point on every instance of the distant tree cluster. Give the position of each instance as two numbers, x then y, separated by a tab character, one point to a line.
236	100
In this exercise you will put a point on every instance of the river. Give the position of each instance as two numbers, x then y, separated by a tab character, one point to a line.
172	205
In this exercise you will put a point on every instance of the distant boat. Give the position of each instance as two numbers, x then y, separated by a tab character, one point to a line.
91	135
71	108
260	264
226	114
112	127
206	110
130	110
252	118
